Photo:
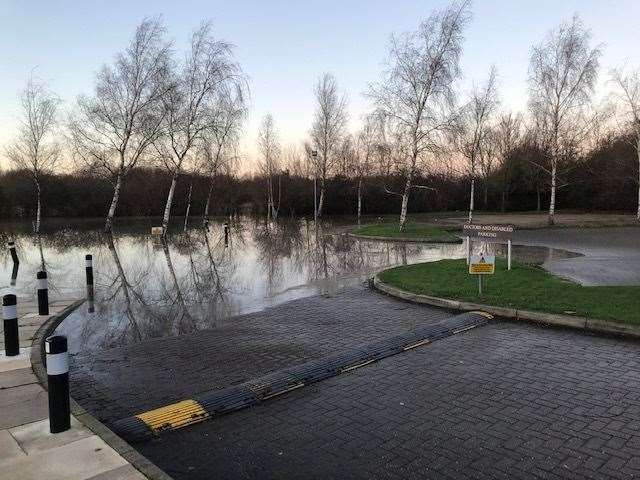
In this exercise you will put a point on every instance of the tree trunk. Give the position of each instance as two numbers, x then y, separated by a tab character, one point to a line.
114	202
486	194
38	208
503	202
473	188
359	199
186	215
552	201
205	217
167	207
321	201
638	153
539	204
405	203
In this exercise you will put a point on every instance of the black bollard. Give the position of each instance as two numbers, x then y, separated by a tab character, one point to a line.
43	293
12	251
58	383
89	271
14	274
10	315
226	234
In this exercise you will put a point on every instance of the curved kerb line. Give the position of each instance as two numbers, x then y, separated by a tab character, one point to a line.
218	402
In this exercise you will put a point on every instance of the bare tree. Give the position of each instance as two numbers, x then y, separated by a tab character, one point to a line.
508	136
562	75
217	151
34	149
475	128
365	149
112	130
628	86
417	92
190	103
327	129
269	146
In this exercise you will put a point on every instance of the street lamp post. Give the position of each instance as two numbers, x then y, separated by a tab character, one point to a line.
314	155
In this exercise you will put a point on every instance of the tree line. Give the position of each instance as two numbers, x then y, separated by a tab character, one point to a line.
160	133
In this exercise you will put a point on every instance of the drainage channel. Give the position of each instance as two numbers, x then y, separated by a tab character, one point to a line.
221	401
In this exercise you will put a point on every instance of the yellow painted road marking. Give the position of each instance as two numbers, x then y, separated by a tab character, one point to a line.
484	314
288	389
423	342
353	367
173	416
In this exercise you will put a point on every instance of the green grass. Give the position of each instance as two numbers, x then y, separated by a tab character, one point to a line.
413	231
525	287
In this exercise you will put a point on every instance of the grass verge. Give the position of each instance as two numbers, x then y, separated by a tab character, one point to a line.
525	287
412	231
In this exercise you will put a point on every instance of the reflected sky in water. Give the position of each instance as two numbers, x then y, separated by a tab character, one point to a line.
147	288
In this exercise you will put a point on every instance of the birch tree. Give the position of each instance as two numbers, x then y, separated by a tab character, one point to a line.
269	146
327	130
365	150
113	129
190	103
508	133
562	74
417	92
219	142
34	148
628	86
475	129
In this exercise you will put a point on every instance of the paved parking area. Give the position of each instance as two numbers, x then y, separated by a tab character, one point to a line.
502	401
120	382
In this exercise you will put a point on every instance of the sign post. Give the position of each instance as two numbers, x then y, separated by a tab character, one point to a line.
480	265
489	233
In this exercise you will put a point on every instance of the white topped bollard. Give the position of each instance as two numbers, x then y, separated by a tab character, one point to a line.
43	293
57	359
10	316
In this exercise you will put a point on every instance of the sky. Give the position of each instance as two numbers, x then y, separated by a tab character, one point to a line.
285	46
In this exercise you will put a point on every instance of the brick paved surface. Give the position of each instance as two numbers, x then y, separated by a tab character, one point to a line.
502	401
124	381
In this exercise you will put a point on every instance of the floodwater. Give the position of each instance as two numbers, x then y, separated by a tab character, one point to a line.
147	288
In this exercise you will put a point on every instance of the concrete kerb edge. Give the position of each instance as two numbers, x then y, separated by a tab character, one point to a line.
567	321
404	240
138	461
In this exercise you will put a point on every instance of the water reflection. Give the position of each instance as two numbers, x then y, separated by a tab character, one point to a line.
146	287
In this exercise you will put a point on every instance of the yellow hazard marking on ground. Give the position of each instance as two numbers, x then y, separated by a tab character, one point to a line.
288	389
173	416
464	329
484	314
423	342
353	367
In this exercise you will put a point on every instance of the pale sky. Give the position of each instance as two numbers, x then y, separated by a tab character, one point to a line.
284	46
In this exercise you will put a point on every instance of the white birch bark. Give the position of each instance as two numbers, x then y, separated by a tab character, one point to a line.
405	203
638	153
114	203
186	215
167	207
205	217
471	200
552	202
38	208
359	199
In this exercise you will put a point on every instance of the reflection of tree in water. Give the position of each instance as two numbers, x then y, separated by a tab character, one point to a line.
275	242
